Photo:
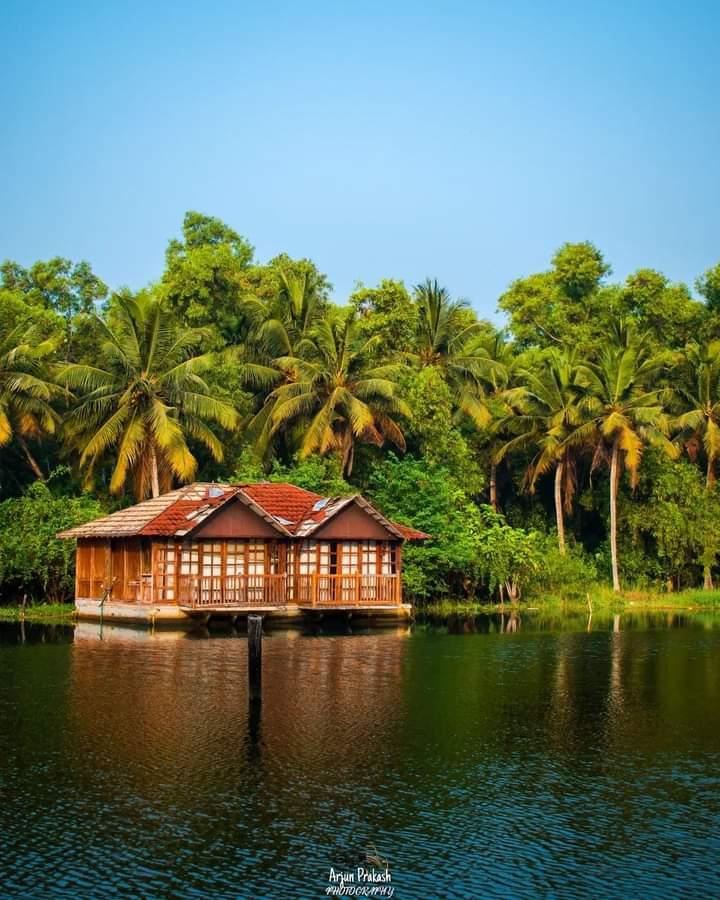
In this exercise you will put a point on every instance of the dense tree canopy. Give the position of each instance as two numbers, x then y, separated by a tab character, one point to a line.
580	442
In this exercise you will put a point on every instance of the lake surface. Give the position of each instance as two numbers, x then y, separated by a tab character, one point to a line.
484	762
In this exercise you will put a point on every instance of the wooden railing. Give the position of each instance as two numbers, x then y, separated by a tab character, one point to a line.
279	590
345	590
233	590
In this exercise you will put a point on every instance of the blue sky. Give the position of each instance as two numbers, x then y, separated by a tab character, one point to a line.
463	141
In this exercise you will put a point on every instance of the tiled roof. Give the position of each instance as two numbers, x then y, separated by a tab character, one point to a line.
289	509
128	521
411	534
283	501
186	513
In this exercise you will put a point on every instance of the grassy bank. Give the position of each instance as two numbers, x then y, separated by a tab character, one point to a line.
599	599
50	613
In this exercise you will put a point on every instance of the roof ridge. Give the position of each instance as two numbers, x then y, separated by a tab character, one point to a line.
279	484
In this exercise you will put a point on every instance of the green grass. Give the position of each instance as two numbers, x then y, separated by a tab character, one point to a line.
49	613
599	597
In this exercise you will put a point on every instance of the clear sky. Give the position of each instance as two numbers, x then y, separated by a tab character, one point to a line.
459	140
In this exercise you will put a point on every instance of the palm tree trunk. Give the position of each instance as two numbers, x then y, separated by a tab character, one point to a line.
614	478
32	462
155	478
559	518
709	482
348	456
493	486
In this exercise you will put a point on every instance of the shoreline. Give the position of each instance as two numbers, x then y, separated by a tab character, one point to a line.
599	599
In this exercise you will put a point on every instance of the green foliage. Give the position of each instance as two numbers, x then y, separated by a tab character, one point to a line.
57	284
566	305
321	395
569	575
672	521
709	286
386	312
428	496
321	474
333	395
433	432
203	277
578	270
148	398
509	558
32	560
665	310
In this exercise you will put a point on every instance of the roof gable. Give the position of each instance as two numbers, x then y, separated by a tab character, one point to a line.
238	518
353	523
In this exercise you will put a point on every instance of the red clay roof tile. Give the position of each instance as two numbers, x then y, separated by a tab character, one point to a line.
291	506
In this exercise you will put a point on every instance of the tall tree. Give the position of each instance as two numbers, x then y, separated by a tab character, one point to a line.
203	278
26	393
566	305
286	303
551	418
667	311
624	413
449	339
698	391
145	400
339	398
500	397
58	284
387	311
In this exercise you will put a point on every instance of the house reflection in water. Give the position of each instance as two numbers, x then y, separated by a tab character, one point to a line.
173	700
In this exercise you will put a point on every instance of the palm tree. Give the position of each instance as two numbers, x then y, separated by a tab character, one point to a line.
449	339
335	396
699	393
552	416
280	329
278	326
624	415
496	399
26	395
146	400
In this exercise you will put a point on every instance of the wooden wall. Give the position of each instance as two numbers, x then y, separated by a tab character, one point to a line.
92	568
235	520
353	524
119	562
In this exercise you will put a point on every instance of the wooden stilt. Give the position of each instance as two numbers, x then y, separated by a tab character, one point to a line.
254	627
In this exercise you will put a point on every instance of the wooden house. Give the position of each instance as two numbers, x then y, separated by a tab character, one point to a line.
230	549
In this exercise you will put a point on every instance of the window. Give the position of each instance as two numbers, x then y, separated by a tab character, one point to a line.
189	563
273	558
256	558
235	558
350	557
308	558
388	564
212	560
324	558
166	571
369	558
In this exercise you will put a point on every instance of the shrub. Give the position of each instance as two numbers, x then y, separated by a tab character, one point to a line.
32	560
565	575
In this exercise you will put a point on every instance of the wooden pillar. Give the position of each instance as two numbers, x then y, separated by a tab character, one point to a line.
398	572
254	626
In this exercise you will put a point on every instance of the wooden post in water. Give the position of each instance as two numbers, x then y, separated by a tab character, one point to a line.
254	627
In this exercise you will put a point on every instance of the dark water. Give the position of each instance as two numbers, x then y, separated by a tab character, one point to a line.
534	762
